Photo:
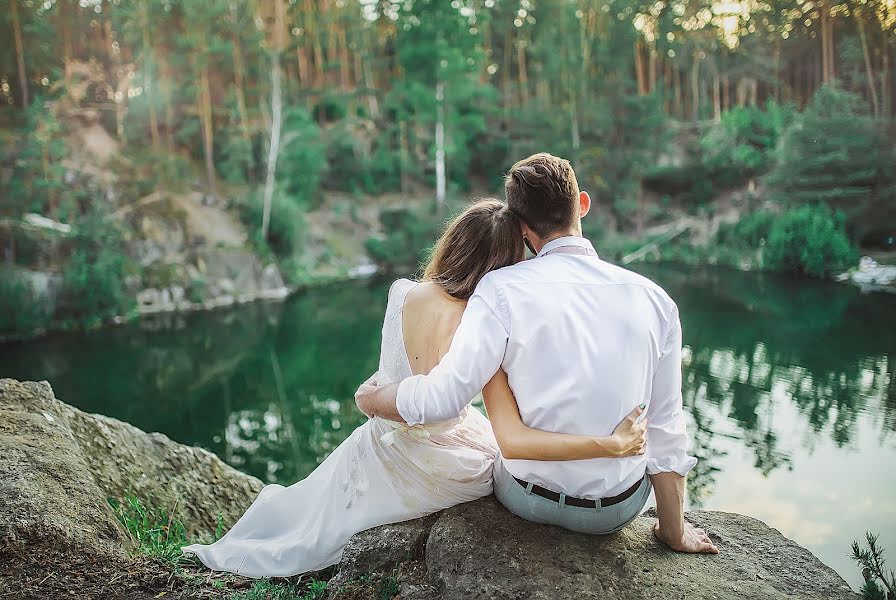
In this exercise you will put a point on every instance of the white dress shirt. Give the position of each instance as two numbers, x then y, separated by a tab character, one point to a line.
583	342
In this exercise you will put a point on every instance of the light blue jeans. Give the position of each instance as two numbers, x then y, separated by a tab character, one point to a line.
598	520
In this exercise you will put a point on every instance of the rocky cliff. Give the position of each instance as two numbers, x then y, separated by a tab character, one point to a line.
58	467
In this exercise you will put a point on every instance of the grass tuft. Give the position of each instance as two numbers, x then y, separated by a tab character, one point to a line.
156	532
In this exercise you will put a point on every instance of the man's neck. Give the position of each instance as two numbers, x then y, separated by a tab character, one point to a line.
573	232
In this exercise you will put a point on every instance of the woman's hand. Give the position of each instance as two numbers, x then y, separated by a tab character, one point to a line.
630	437
363	394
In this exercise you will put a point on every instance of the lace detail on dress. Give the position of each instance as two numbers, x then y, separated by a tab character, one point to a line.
394	364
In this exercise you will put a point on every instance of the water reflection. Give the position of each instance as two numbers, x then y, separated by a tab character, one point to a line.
754	341
789	388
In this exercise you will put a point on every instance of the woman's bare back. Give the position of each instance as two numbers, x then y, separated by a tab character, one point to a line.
429	320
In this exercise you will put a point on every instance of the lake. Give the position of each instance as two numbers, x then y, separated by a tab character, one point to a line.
789	387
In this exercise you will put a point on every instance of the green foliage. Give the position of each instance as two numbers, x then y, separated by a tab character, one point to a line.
286	224
837	154
809	240
156	532
750	232
93	287
36	177
268	589
743	143
302	158
879	584
407	240
21	310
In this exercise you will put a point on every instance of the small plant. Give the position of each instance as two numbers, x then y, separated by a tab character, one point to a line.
389	588
270	589
879	584
156	532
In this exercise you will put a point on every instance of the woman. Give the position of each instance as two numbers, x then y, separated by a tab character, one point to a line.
387	472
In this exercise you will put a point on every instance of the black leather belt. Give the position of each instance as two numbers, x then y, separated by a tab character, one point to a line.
582	502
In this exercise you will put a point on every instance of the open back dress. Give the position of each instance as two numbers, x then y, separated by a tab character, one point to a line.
384	472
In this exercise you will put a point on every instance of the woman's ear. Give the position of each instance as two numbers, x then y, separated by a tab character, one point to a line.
584	203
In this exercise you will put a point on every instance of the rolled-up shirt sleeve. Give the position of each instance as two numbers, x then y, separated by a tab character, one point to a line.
667	438
476	353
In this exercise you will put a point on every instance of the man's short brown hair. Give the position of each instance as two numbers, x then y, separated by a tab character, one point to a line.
543	192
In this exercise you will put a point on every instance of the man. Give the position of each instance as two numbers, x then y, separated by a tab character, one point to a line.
582	342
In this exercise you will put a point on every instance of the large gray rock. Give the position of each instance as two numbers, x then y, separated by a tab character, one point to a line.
59	465
479	550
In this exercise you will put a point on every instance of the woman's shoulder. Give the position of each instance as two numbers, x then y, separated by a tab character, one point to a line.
401	286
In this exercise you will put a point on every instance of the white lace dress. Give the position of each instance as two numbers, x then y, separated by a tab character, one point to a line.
383	473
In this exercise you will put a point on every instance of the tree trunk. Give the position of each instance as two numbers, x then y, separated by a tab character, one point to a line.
827	44
345	78
67	53
279	43
639	69
716	98
695	87
239	74
726	93
273	152
521	68
20	50
885	96
679	100
440	147
165	85
206	115
869	71
148	64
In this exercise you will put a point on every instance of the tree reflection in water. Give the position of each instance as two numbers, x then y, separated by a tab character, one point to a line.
753	341
270	387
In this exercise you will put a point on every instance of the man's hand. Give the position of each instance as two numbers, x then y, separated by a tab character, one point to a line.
692	541
378	400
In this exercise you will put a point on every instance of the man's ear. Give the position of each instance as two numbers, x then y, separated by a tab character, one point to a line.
584	203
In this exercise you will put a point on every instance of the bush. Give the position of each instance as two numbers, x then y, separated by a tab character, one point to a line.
407	243
836	153
93	287
303	155
21	310
749	232
809	240
285	227
745	139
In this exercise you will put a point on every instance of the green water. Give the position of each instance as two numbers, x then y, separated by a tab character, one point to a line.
790	388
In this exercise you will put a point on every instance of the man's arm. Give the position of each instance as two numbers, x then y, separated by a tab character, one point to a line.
668	462
476	353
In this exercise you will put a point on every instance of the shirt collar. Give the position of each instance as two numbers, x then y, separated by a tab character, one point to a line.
570	240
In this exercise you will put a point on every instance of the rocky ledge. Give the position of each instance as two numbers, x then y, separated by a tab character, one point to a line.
58	534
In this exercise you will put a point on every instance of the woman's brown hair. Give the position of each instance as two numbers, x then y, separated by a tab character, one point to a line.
485	237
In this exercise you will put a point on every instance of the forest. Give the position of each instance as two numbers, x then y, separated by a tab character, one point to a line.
772	121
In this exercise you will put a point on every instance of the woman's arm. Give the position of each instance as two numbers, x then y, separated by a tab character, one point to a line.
516	440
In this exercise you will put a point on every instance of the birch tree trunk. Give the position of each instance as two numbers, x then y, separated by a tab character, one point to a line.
276	120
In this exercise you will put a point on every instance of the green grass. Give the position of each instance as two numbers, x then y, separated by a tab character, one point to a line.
267	589
156	532
159	534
